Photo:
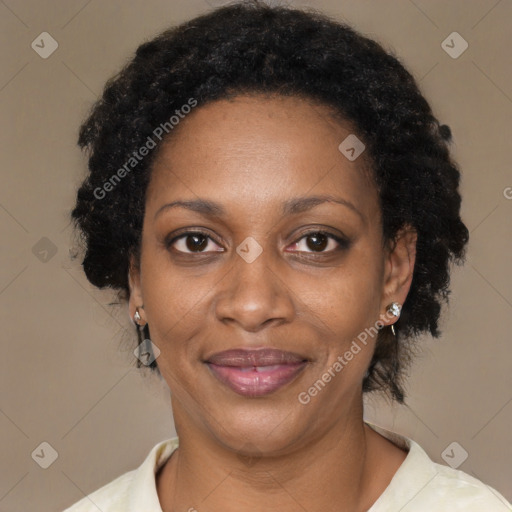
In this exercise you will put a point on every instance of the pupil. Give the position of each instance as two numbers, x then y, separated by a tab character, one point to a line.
196	246
320	241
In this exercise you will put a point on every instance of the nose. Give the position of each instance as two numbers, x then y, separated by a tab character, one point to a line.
253	295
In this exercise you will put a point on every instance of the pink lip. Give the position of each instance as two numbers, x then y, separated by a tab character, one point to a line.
254	381
256	372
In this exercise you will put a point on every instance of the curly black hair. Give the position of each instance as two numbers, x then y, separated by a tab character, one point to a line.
250	47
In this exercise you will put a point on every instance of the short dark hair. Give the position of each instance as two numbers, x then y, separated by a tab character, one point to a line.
250	47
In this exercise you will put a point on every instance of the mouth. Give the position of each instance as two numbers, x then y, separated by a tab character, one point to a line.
255	373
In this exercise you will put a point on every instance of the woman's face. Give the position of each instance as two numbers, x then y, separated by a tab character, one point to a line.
254	278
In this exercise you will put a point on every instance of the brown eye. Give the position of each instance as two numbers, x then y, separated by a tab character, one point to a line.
196	242
320	242
317	241
191	242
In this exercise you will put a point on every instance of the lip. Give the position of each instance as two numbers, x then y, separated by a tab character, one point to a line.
255	357
256	372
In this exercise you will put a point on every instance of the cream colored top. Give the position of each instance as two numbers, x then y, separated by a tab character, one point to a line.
419	485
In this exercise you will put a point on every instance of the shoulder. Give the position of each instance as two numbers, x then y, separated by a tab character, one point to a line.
132	490
108	498
422	485
456	490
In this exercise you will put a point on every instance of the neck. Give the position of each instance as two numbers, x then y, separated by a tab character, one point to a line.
340	467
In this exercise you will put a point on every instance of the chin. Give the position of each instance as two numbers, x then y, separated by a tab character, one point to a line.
252	430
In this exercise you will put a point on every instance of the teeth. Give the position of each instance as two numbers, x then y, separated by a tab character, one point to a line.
259	368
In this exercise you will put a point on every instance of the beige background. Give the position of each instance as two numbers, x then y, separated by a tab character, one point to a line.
66	375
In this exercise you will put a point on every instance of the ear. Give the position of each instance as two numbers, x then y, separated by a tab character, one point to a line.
135	301
399	269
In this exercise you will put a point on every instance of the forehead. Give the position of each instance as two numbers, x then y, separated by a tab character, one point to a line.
259	151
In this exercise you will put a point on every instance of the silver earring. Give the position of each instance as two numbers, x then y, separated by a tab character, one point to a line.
394	309
136	317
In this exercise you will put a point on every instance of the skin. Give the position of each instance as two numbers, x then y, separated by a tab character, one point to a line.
251	154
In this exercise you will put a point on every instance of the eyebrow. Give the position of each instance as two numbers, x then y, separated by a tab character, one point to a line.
292	206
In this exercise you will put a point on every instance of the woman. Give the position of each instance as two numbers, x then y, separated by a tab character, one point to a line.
275	201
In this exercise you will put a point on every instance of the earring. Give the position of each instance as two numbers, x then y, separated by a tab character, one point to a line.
136	317
394	309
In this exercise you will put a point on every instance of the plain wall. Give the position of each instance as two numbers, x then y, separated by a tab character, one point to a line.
66	375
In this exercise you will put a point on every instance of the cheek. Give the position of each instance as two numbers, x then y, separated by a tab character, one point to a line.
175	306
348	298
347	309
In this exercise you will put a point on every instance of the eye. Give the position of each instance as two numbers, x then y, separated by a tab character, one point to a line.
318	241
192	242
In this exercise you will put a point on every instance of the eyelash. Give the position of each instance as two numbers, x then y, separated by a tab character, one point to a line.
343	244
